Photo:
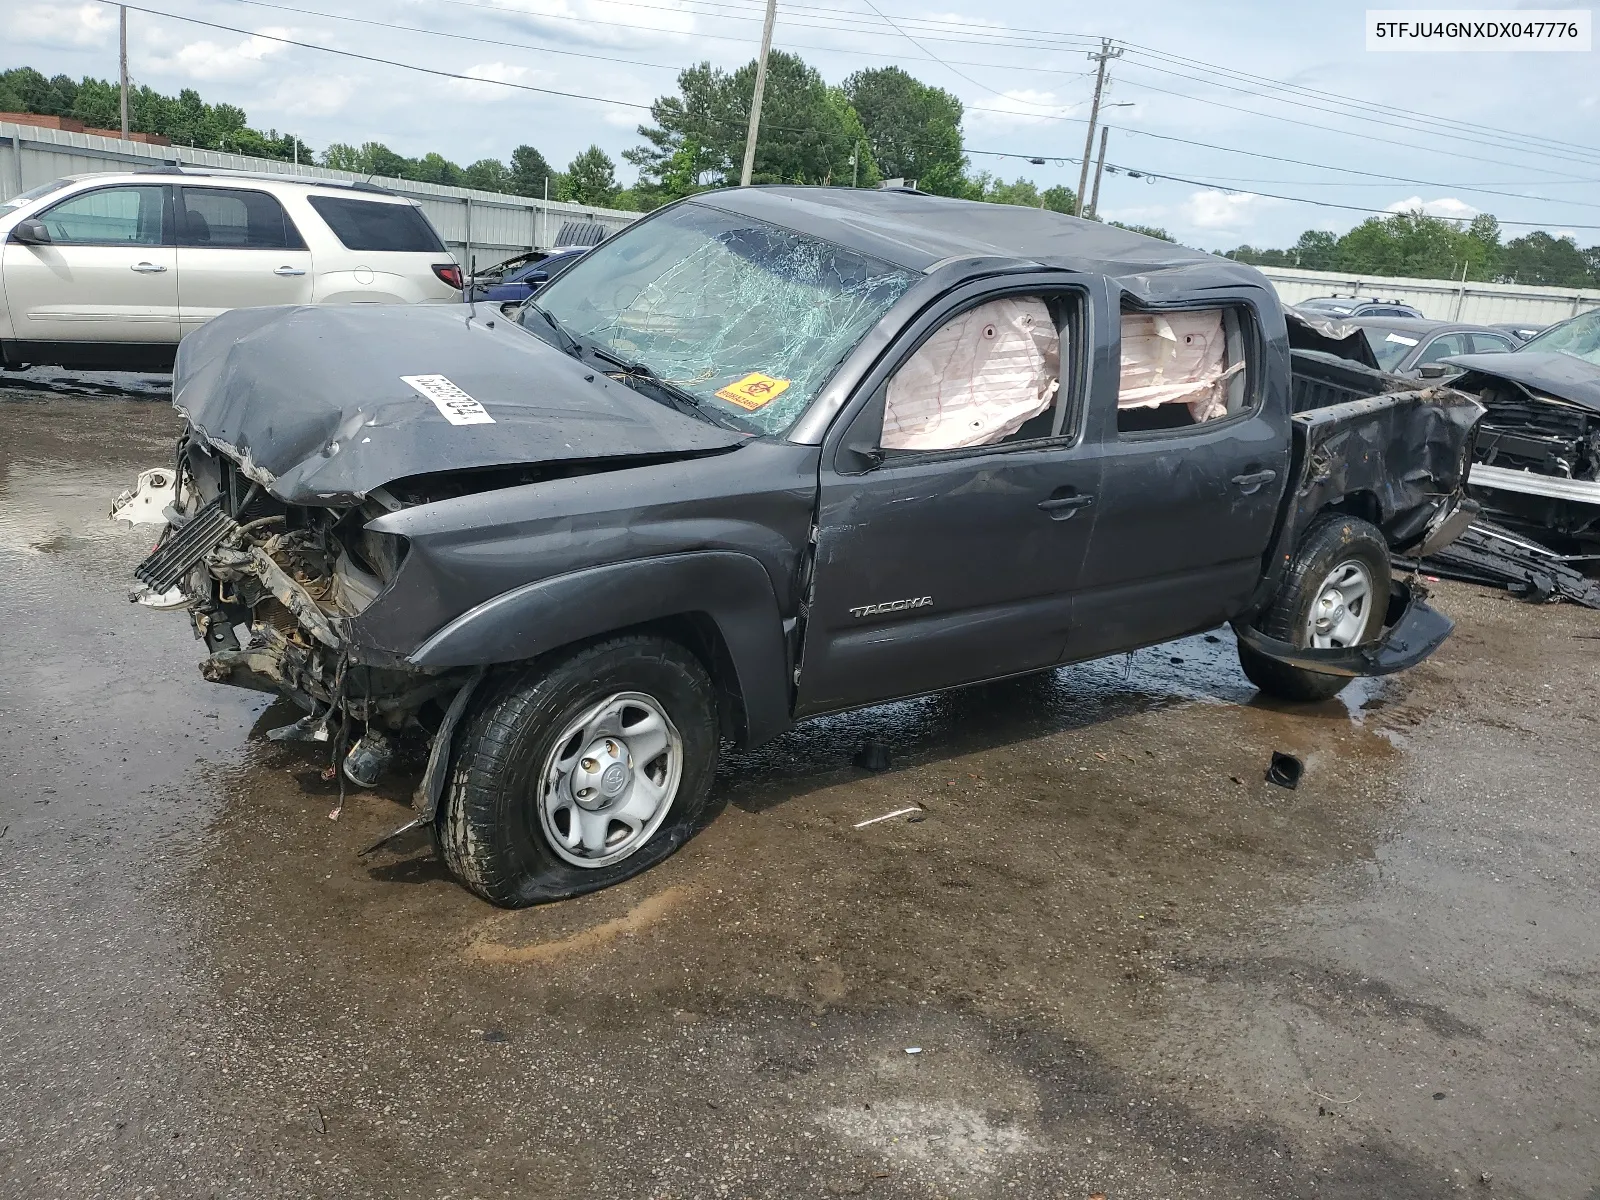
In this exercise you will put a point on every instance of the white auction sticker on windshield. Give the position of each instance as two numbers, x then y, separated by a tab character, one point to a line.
1401	338
456	406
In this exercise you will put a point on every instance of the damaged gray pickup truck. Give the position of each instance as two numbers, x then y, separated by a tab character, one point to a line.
772	453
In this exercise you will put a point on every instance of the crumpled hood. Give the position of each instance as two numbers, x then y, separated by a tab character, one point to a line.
311	403
1559	375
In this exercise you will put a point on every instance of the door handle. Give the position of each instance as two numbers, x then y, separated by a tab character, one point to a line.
290	271
1252	482
1062	507
148	268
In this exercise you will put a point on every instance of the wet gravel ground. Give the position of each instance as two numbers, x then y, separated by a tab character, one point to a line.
1104	957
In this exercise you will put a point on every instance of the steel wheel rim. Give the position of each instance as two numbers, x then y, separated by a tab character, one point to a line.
609	780
1342	607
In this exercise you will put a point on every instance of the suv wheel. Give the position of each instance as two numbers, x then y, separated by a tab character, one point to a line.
576	774
1336	593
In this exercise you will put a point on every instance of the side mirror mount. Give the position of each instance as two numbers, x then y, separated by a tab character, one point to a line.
510	308
859	451
1433	371
31	233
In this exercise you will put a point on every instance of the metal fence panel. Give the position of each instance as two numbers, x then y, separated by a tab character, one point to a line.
1442	299
485	226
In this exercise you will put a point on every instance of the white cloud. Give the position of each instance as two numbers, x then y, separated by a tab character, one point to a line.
1445	206
493	74
1017	107
85	25
207	60
314	95
1233	211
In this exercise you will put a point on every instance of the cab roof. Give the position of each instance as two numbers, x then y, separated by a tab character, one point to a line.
918	232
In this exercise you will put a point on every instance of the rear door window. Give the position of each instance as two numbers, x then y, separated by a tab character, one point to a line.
1443	346
114	216
234	218
1490	343
374	225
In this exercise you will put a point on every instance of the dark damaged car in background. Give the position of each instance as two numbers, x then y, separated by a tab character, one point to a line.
1538	448
767	454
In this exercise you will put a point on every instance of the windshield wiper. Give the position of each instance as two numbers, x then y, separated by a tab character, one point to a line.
681	396
568	342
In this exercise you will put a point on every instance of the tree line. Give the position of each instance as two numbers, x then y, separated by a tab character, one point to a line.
877	124
1424	247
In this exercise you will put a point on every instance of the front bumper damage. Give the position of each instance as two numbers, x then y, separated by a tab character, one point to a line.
275	592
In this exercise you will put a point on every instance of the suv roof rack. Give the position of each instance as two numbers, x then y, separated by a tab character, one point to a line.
355	185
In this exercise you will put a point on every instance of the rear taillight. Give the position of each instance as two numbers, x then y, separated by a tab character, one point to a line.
450	273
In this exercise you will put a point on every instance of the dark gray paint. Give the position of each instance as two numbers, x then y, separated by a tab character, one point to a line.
1182	529
1553	374
312	398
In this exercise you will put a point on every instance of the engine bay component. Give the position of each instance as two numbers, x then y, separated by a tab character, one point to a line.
174	558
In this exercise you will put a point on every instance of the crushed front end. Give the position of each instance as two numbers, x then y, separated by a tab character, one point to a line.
272	588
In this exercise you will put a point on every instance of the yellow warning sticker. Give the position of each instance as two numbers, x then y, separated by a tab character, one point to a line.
754	391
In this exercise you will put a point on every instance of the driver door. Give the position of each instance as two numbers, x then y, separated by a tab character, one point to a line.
938	565
108	274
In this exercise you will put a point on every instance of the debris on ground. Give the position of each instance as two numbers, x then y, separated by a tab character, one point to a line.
873	756
1285	770
1489	554
899	812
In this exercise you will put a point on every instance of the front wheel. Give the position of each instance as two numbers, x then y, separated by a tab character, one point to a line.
574	775
1335	594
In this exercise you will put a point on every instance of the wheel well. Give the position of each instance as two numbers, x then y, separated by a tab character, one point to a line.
698	633
1357	504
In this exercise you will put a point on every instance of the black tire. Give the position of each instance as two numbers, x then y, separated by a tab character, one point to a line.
1331	541
489	828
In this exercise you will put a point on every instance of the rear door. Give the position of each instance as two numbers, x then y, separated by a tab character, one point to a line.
937	566
108	275
237	248
1187	508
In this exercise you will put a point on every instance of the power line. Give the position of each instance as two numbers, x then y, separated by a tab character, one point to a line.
1140	171
1591	160
372	58
950	68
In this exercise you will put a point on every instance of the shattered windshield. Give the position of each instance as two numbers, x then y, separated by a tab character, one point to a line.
750	319
1579	337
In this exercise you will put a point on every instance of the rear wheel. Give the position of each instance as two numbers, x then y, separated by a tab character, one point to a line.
577	774
1335	594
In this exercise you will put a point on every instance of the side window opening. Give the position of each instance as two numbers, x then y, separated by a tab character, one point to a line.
988	375
1181	369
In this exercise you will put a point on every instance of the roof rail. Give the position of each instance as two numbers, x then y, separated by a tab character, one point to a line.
355	185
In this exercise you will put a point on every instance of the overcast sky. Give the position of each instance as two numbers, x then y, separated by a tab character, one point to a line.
1019	67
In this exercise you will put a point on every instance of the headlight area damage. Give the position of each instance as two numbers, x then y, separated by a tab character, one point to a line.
290	579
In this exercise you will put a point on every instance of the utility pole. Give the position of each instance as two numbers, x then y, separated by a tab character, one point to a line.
122	9
1099	169
755	100
1106	55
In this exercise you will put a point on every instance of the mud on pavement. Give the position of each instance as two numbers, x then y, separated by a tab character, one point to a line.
1102	954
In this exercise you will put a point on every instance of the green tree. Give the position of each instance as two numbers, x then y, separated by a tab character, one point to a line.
1317	250
487	174
591	178
435	168
913	129
808	130
1539	258
1060	199
530	173
1148	230
1412	244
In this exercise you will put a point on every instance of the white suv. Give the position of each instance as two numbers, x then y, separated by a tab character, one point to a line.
109	271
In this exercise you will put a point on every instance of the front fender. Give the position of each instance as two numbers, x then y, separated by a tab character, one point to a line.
732	589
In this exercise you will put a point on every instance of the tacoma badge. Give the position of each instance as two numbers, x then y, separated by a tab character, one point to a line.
892	606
